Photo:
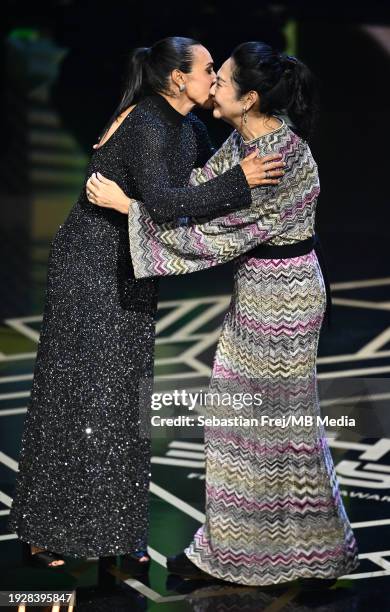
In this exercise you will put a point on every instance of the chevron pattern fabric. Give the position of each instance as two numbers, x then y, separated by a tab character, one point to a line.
273	507
280	214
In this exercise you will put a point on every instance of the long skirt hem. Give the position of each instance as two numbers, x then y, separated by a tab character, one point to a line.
293	574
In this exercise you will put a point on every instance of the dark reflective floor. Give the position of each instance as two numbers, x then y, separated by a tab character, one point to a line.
177	492
356	348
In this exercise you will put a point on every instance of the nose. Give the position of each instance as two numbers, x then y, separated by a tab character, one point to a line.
212	88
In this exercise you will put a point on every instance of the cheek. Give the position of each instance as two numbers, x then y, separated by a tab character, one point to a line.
200	82
232	106
220	98
207	82
226	105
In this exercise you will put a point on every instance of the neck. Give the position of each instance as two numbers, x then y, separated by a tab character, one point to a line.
257	125
182	104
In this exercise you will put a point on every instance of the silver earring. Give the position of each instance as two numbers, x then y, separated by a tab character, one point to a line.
182	87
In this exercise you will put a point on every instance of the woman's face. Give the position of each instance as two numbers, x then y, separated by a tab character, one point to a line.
227	105
201	78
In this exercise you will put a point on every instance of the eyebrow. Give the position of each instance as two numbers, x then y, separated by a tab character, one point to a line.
219	78
209	64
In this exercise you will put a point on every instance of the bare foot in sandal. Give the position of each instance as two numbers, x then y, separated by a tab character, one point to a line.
55	562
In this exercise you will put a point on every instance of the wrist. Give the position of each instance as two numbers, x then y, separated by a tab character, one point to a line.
244	174
124	205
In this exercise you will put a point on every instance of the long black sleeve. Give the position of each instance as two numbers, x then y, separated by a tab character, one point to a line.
164	202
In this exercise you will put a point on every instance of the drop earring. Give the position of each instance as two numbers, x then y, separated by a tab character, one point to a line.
244	117
182	87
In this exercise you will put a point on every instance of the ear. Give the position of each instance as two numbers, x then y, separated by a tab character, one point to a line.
177	77
251	99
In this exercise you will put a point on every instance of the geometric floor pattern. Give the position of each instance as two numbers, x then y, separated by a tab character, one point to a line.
187	333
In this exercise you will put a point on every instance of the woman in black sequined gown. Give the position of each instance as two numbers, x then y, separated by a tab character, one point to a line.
84	468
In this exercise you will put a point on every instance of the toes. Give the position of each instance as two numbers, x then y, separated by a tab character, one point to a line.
57	562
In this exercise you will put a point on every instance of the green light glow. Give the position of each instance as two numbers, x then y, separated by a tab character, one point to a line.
24	34
291	33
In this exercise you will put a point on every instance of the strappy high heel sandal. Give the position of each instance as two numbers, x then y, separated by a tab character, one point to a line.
43	558
131	563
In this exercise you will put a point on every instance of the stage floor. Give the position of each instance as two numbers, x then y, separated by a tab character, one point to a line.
356	348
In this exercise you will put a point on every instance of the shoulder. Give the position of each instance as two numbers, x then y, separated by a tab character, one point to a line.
290	134
300	152
146	121
233	141
297	142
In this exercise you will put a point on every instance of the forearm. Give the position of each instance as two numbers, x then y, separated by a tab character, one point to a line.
227	192
123	204
173	249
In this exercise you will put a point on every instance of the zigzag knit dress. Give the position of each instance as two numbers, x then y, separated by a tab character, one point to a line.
273	506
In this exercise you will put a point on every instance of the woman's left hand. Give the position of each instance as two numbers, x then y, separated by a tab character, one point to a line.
107	194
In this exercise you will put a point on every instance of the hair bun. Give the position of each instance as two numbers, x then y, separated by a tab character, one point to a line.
143	52
287	61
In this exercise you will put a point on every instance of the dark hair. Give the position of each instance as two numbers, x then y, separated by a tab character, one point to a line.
149	68
285	84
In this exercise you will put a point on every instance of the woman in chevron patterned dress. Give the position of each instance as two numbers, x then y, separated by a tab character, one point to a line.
273	506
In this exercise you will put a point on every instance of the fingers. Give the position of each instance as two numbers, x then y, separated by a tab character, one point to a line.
272	165
273	173
93	181
91	187
271	156
252	155
94	199
96	179
94	187
92	193
272	160
102	178
91	198
271	182
270	177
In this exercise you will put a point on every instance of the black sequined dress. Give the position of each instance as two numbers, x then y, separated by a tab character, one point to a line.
84	469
